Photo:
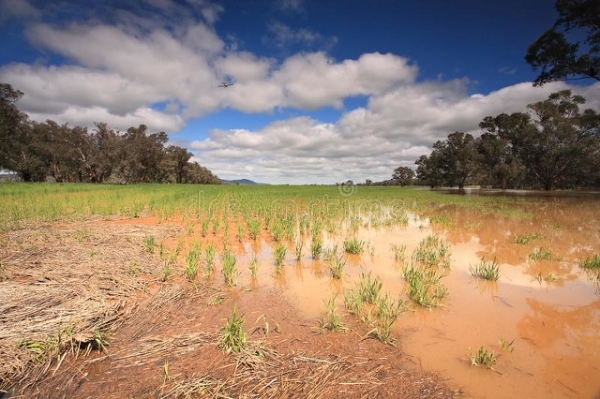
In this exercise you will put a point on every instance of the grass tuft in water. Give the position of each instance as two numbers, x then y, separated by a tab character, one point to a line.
486	270
399	252
316	247
541	253
353	246
369	288
525	238
280	253
299	246
591	262
482	357
425	287
315	229
432	252
548	278
330	253
387	311
380	312
228	261
336	267
253	266
424	273
254	228
506	345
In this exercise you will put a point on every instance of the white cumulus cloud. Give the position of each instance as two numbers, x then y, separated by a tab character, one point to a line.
162	67
394	129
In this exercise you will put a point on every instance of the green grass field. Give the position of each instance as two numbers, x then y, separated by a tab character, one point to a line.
22	203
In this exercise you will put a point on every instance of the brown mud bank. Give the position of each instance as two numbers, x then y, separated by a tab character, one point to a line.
85	313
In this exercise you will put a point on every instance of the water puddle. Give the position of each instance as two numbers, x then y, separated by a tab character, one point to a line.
544	307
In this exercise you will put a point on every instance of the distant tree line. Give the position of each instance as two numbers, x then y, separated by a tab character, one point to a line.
553	145
36	151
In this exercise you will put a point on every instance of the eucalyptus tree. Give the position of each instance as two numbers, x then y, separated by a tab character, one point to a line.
62	150
18	149
197	174
452	161
174	163
36	150
564	142
403	175
10	116
556	143
499	162
24	153
103	158
140	155
429	169
569	50
460	158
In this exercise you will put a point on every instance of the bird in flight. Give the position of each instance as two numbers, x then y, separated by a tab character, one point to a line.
225	84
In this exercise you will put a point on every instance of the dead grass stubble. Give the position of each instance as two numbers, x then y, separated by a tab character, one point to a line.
59	280
61	276
296	375
263	373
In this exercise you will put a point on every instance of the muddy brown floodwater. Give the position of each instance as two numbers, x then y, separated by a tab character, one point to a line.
549	309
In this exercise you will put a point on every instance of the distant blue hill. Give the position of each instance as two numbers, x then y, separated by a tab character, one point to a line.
242	181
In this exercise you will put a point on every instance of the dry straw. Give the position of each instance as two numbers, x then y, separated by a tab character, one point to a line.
64	291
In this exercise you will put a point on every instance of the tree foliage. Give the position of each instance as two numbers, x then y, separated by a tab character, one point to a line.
429	169
74	154
552	145
452	161
403	175
571	48
558	143
15	141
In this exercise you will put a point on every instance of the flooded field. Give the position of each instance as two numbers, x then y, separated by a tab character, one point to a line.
299	256
541	318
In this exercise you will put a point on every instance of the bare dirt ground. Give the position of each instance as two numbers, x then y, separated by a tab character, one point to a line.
61	283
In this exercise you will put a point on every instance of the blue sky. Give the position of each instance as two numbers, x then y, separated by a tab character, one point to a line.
324	91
